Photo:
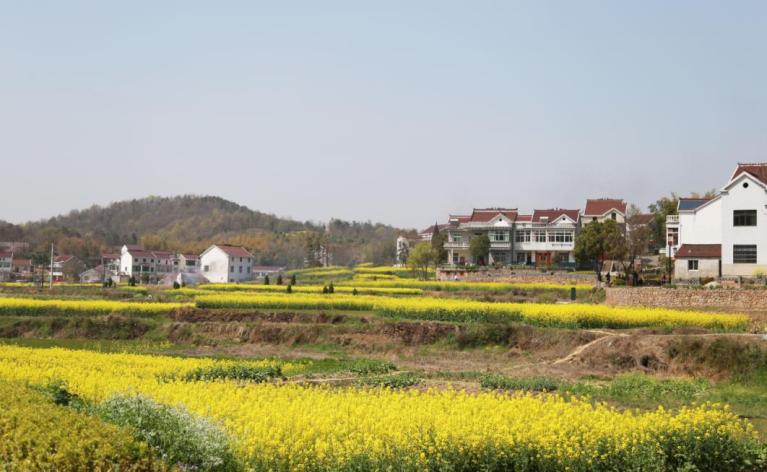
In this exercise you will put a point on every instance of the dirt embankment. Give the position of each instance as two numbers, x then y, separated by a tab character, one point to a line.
101	327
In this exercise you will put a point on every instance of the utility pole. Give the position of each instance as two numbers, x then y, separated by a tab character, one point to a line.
50	274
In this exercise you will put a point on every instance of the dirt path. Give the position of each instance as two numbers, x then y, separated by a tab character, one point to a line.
580	349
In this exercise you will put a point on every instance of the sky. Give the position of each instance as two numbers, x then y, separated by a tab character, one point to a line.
394	111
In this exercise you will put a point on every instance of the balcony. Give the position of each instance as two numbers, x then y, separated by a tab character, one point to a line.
672	220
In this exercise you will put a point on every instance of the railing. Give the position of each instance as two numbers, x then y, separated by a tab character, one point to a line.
672	219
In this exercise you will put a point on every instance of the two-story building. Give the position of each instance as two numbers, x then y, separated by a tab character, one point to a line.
223	263
603	209
725	235
136	261
543	238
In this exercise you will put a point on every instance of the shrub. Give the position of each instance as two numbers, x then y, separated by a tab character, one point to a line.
403	380
279	279
533	384
371	366
184	440
232	372
38	435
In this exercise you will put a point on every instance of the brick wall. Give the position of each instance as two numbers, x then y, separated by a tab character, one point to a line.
722	298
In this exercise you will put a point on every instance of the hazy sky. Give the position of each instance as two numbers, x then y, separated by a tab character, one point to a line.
392	111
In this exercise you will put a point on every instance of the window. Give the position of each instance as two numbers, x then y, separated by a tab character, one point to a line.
206	269
498	236
456	258
241	259
692	264
614	216
561	237
744	218
231	268
522	236
247	269
241	269
456	238
540	236
744	254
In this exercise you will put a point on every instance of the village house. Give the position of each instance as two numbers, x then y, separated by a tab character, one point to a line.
603	209
223	263
138	262
66	268
723	236
6	264
543	238
21	268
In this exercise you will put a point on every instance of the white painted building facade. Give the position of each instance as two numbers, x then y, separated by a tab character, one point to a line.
735	219
222	264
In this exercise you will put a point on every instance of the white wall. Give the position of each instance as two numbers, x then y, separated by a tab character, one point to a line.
702	227
706	268
754	197
223	268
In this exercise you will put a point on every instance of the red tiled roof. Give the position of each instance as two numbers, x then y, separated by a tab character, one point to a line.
757	170
600	206
641	219
234	251
700	250
140	253
5	254
555	213
524	218
487	214
110	256
22	262
190	256
459	218
162	254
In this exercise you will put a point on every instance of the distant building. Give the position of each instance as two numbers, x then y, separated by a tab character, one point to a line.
21	268
543	238
16	247
94	275
138	262
263	271
6	259
223	263
67	268
602	209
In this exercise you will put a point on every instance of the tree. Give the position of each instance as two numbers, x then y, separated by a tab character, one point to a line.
638	240
480	249
266	279
279	279
290	288
438	239
598	242
293	279
663	207
421	258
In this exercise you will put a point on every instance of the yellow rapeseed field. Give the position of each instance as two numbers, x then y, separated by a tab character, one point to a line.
445	309
465	286
308	289
30	306
291	427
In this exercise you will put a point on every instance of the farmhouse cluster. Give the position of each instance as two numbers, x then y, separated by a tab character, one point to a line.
543	238
720	236
220	263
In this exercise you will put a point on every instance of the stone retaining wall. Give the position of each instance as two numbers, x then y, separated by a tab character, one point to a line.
514	276
685	298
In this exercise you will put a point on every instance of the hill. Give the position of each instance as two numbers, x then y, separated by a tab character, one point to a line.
190	223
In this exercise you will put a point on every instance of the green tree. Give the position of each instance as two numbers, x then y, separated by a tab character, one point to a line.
279	279
598	242
421	258
438	239
293	279
663	207
480	249
266	279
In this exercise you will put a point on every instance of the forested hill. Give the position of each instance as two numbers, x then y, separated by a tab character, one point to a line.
185	218
191	223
